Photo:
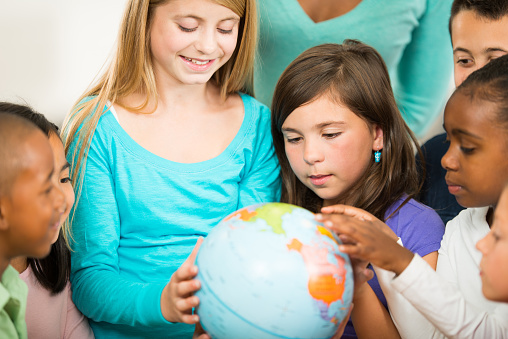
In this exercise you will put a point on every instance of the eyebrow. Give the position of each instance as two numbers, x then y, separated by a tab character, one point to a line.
64	167
486	50
456	131
201	19
318	126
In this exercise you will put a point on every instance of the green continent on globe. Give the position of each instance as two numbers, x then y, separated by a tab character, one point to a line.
270	213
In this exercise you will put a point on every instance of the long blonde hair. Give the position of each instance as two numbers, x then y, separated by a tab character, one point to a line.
131	71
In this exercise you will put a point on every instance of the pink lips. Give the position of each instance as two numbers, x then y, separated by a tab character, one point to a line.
453	189
197	67
319	180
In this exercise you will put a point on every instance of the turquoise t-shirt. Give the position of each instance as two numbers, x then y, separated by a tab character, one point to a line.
140	215
13	294
411	36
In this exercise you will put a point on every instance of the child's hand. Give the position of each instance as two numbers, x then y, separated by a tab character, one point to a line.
361	273
178	299
367	238
358	213
199	332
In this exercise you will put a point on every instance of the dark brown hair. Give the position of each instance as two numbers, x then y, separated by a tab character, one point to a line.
53	271
352	74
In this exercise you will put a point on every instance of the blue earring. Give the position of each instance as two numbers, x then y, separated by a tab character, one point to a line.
377	156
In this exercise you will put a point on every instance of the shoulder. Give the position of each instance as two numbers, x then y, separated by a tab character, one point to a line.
415	210
420	227
468	222
253	106
257	115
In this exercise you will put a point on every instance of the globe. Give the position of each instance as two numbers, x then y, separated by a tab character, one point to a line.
272	271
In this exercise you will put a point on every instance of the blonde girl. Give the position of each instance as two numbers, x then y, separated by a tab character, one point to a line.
162	147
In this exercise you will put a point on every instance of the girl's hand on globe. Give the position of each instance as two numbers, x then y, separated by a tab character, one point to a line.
178	299
359	214
367	239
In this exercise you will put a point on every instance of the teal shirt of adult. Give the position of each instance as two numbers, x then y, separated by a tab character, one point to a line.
411	36
139	216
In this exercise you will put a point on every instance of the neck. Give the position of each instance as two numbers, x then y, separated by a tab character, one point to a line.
19	263
187	97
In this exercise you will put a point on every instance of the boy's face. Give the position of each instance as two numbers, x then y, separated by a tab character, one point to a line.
494	248
32	208
476	163
476	41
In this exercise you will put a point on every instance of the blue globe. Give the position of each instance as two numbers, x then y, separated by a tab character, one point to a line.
272	271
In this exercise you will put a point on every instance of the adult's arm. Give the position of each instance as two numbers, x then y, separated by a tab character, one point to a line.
424	71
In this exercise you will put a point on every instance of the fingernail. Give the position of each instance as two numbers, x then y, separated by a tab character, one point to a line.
319	217
328	223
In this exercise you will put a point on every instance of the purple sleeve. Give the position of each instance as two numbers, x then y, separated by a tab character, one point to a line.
420	228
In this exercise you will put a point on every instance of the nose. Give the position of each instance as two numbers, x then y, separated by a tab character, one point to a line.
312	153
449	161
59	202
482	245
207	41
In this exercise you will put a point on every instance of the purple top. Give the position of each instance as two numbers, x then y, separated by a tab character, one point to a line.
421	230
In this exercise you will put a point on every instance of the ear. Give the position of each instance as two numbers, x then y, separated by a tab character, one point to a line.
377	134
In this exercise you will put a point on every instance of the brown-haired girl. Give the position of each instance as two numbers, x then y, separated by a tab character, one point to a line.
340	138
173	148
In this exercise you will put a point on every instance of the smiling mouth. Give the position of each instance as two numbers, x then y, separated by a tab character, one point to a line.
197	62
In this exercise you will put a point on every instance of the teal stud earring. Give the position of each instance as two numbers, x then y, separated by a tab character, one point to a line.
377	156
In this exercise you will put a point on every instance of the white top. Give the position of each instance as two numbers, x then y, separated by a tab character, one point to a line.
451	297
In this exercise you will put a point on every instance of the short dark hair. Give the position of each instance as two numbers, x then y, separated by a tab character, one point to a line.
490	83
488	9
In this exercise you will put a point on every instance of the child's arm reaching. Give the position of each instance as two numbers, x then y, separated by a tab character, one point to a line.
367	237
439	301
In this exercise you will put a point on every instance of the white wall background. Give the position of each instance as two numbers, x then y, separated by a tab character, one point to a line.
51	50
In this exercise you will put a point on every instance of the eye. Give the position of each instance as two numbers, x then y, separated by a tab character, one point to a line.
294	140
331	135
185	29
465	62
65	180
466	150
225	31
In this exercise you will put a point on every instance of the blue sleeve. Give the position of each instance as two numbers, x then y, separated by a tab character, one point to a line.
261	180
425	69
99	291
